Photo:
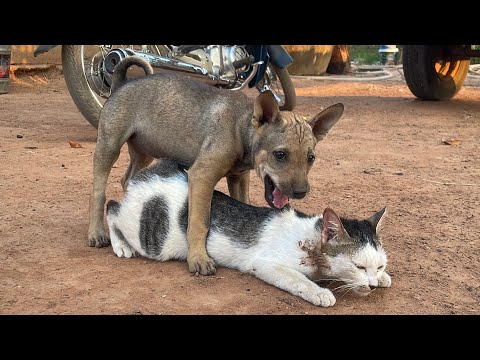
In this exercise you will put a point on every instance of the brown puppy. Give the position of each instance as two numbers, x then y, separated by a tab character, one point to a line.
215	133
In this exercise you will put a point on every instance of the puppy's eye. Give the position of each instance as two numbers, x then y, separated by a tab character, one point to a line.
311	159
360	267
280	155
380	267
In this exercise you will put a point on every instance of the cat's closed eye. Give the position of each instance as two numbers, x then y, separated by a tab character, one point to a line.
380	267
360	267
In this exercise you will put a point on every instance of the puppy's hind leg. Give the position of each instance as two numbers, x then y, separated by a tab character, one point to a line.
138	161
238	186
105	156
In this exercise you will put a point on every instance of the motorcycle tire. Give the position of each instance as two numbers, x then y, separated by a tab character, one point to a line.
89	95
429	76
77	85
290	97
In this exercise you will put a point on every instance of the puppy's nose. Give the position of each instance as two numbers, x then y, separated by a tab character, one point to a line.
372	287
299	194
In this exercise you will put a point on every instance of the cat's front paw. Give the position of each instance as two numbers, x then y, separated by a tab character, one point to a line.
123	250
321	297
385	280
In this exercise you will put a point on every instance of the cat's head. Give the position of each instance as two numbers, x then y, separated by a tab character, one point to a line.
353	251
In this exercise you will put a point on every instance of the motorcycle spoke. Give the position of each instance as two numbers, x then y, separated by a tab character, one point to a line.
272	82
99	79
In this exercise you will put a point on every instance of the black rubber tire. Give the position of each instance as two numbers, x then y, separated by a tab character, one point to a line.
422	77
290	97
288	89
77	85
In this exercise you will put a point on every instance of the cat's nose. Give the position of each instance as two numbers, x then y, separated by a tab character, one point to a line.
372	287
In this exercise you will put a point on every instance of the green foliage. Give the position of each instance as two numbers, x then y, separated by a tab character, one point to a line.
475	60
368	54
364	54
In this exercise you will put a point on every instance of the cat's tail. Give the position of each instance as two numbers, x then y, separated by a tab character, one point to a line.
113	207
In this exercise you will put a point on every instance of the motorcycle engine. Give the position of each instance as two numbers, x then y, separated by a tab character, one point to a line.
222	58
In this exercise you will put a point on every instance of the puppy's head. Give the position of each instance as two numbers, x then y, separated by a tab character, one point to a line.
284	147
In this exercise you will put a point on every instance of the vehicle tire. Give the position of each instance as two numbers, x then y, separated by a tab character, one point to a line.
279	82
78	87
87	81
430	75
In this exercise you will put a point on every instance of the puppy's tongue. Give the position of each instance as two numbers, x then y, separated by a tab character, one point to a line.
279	199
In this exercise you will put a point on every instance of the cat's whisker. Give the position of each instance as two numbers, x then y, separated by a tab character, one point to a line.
347	281
343	293
329	279
347	289
342	286
353	286
330	283
344	289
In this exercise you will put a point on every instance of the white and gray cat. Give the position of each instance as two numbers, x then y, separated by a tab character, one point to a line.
285	248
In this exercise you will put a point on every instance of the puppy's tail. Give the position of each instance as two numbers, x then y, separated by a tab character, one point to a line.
113	207
119	76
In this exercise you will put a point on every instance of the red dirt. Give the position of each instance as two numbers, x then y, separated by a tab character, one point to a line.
386	151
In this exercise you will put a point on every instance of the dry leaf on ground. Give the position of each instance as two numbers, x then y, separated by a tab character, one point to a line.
74	144
451	141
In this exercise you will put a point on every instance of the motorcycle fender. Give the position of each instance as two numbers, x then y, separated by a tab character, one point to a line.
43	48
276	54
279	56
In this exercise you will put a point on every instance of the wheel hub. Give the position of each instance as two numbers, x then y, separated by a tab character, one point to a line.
113	58
98	77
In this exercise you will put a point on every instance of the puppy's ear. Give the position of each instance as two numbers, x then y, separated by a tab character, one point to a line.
324	121
265	109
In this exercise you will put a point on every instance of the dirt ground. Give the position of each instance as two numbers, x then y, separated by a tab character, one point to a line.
387	150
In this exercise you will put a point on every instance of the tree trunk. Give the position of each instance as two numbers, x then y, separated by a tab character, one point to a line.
340	60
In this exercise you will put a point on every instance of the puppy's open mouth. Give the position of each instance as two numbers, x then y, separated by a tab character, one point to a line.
275	198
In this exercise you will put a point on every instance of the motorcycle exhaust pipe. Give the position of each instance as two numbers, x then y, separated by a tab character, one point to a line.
162	64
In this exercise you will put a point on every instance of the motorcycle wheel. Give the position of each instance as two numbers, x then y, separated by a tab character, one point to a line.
431	76
87	82
279	82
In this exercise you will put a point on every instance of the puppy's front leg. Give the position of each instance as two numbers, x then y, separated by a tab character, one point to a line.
238	186
204	174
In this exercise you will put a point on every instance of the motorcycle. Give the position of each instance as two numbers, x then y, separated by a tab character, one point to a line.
88	69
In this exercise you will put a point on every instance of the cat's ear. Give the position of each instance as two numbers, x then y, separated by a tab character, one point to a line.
377	219
333	231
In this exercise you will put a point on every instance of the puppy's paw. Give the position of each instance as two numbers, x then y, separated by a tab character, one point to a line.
99	240
321	297
385	280
201	264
